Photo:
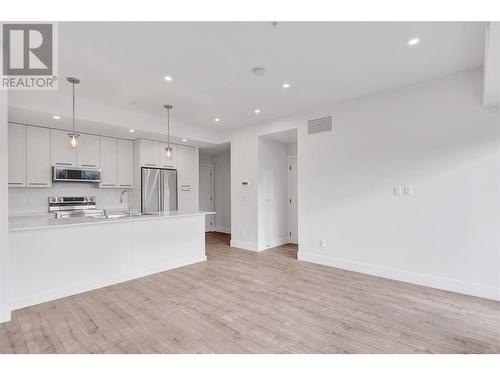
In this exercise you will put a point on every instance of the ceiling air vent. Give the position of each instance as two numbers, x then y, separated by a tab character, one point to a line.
319	125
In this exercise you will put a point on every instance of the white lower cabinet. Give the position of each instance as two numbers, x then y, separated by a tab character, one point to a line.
17	155
108	163
38	173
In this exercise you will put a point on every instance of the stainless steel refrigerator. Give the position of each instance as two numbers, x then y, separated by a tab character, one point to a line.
158	190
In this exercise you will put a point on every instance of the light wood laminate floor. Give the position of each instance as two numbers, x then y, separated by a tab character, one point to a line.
246	302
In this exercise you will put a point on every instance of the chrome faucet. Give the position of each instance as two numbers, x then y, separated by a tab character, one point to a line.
129	201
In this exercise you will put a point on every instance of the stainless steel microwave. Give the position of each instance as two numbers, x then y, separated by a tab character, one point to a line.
75	174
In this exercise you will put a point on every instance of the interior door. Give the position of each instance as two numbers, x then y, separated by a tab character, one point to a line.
292	201
206	195
150	190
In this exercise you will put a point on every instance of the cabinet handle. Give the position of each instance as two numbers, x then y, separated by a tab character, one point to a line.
70	164
108	184
38	183
150	165
168	166
15	183
126	185
89	165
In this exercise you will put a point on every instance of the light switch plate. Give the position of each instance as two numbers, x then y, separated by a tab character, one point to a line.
397	191
408	190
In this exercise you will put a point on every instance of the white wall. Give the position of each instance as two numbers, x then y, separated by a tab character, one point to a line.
291	149
33	200
272	193
4	243
434	136
244	198
222	193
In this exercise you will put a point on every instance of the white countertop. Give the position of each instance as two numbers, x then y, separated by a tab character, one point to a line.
37	221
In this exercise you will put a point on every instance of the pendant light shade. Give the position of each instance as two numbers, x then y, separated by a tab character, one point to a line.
168	149
73	135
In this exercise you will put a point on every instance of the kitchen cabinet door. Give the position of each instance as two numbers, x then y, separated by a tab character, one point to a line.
186	199
87	151
168	163
62	154
185	164
38	171
125	163
185	177
108	152
149	153
17	155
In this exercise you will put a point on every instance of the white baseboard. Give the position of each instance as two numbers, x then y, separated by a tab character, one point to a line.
453	285
244	245
75	289
275	243
222	230
5	316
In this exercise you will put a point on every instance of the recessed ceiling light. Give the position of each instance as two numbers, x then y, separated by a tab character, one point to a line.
56	117
184	140
413	41
131	130
216	119
285	85
168	78
256	110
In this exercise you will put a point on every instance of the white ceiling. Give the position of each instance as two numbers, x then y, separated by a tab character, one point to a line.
122	64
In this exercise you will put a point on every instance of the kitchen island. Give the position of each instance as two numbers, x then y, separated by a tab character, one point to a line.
53	258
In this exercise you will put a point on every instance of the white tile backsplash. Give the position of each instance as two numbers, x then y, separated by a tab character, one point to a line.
30	200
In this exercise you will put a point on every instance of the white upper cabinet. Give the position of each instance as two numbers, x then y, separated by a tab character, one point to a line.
38	171
125	163
87	151
17	155
168	163
149	153
62	154
185	165
109	178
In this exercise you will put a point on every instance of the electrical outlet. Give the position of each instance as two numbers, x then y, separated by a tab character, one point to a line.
322	243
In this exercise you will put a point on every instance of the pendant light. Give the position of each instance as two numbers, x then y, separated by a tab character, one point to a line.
168	149
73	135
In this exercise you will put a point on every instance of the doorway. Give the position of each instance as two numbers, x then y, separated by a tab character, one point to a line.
207	194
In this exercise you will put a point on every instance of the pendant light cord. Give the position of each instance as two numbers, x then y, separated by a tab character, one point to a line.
168	126
73	107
